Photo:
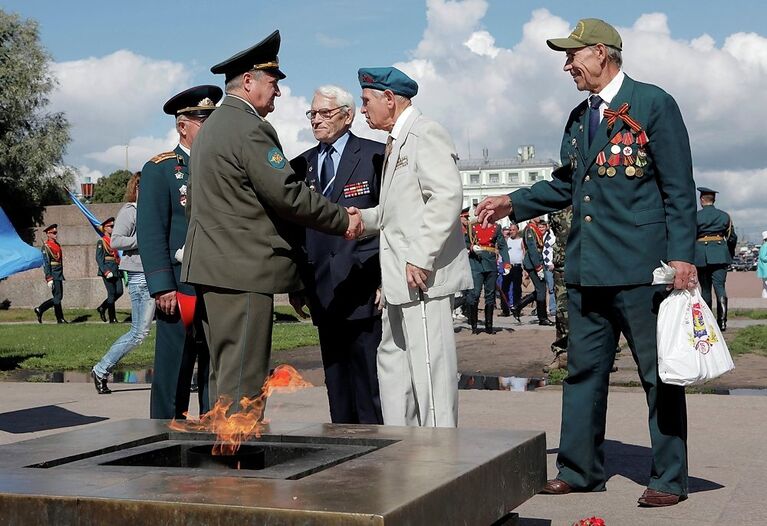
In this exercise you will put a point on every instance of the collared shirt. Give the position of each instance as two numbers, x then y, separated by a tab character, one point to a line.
338	151
609	92
186	150
249	104
516	252
400	122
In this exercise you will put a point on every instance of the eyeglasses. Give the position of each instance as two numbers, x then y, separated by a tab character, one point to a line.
324	113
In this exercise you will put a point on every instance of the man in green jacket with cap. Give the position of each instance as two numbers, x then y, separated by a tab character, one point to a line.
714	248
627	171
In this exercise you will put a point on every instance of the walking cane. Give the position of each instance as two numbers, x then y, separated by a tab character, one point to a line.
428	357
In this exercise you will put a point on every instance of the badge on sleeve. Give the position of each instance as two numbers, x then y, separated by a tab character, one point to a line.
275	158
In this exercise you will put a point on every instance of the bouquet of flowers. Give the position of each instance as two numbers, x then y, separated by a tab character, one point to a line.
591	521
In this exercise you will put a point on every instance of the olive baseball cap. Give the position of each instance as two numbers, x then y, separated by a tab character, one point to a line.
587	32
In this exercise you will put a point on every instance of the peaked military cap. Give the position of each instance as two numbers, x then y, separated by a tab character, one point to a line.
388	78
262	56
50	227
705	190
108	221
199	101
465	211
587	32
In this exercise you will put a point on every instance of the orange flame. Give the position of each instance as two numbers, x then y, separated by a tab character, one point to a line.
233	429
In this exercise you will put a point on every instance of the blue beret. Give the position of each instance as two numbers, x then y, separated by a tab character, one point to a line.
704	190
388	78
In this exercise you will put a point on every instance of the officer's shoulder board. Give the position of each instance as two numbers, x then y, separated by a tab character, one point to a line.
160	157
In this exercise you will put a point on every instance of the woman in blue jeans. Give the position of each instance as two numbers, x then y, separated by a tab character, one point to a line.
142	305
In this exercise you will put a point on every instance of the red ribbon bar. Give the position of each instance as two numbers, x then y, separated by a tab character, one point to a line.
601	158
623	114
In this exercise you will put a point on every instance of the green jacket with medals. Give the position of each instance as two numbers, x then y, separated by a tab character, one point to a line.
160	220
713	223
624	224
245	205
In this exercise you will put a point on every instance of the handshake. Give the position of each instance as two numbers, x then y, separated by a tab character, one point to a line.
356	227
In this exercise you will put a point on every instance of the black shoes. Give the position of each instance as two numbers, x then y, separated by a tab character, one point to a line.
100	384
39	315
102	312
546	322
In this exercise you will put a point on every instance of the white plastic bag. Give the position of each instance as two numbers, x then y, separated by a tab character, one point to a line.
691	349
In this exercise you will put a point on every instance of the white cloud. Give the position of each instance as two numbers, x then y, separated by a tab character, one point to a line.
138	150
482	43
110	99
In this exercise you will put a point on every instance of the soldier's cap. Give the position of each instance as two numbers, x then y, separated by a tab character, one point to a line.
108	221
262	56
50	227
587	32
706	190
465	211
199	101
392	79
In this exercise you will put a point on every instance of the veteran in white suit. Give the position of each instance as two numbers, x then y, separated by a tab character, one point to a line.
422	253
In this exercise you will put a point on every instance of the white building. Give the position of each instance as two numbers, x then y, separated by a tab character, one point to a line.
485	177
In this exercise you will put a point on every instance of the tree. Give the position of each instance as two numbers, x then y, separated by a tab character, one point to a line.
32	140
111	189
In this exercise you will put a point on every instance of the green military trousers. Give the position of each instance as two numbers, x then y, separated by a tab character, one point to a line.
597	317
716	276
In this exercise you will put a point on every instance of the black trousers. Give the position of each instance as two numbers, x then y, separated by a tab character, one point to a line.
349	350
513	279
114	288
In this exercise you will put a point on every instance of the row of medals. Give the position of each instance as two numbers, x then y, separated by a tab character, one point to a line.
627	150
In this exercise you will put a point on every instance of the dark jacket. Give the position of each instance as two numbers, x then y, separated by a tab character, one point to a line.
713	223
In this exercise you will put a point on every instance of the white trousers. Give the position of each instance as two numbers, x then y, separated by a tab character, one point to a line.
764	288
402	371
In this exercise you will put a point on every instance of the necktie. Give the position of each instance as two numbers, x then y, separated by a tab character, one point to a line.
328	172
387	152
594	104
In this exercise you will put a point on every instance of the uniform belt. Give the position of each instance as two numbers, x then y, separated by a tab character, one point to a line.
55	263
109	258
516	264
487	248
711	238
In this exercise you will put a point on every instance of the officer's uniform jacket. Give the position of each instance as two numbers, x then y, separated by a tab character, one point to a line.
53	261
533	243
715	237
160	221
483	254
342	276
244	202
622	225
418	214
107	258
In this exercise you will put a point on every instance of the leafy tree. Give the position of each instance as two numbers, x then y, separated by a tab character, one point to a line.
32	140
111	189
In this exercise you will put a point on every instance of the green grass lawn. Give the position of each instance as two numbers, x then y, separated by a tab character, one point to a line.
78	346
750	340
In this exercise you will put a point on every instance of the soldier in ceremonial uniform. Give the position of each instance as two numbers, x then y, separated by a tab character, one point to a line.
533	264
108	261
53	267
245	205
627	172
714	248
161	229
484	244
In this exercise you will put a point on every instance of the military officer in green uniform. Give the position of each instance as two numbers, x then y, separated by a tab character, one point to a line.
108	263
245	205
484	244
53	267
161	230
714	247
627	172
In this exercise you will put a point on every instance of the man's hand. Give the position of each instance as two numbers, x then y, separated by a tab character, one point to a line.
491	209
416	276
686	276
166	302
298	302
50	284
539	273
109	274
380	301
356	226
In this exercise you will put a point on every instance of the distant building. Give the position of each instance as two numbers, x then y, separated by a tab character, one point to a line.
485	177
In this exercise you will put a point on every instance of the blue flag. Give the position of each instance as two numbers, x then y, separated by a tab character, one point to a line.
95	223
15	255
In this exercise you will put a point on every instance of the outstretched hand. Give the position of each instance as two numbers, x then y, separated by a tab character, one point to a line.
491	209
356	226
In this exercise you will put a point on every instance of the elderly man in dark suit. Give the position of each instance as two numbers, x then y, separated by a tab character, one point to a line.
245	205
627	171
344	278
161	231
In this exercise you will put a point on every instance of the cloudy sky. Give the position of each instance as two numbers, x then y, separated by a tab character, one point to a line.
483	68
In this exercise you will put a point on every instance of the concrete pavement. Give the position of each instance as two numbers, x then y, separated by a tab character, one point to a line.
726	444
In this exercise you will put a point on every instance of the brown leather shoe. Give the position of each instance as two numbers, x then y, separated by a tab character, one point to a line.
657	499
556	487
